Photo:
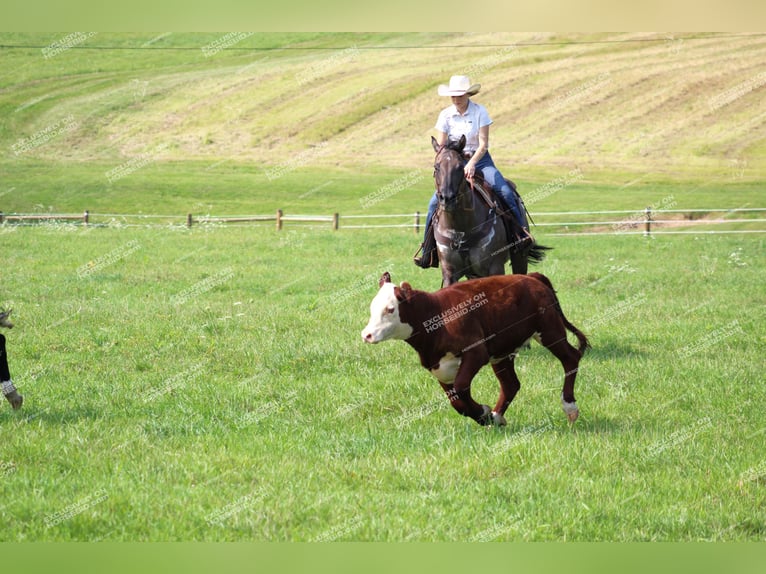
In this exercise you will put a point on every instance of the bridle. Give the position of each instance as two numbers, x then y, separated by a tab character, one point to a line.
464	184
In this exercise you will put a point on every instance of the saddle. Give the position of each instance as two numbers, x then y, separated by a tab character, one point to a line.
516	231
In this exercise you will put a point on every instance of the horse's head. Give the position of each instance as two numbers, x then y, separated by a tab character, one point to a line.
448	172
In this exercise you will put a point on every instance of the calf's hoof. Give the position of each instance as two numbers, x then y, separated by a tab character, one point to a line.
571	410
486	416
498	420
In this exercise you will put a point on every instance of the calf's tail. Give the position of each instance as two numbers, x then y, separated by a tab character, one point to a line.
584	345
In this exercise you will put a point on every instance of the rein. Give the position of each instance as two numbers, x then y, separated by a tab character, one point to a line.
483	193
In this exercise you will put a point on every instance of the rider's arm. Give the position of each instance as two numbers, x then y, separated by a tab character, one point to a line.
470	167
441	137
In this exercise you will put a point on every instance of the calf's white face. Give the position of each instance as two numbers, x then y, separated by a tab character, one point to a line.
385	322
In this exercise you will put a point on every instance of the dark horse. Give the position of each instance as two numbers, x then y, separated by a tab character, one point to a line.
471	236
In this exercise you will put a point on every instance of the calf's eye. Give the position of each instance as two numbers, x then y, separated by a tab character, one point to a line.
389	310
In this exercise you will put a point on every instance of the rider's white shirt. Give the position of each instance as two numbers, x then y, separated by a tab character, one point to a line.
455	124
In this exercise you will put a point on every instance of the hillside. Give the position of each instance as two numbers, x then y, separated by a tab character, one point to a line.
626	102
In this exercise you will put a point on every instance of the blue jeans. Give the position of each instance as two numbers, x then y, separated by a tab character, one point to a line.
492	176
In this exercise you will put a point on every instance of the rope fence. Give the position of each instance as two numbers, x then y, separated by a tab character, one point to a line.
560	223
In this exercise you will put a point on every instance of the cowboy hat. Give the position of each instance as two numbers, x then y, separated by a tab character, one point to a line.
459	85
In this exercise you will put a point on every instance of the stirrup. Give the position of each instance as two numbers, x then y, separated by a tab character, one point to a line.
526	235
430	257
417	259
421	260
524	238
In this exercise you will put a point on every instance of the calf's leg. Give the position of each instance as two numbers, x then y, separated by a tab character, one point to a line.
463	406
556	342
509	386
470	364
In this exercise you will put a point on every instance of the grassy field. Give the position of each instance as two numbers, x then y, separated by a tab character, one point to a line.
211	383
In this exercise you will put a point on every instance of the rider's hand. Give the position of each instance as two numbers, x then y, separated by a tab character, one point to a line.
469	170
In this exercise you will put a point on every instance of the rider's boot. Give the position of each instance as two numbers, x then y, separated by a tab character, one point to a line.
429	258
518	235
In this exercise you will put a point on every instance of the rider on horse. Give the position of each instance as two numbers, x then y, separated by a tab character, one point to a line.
467	118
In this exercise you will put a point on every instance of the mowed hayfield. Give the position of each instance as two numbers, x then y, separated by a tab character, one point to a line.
210	383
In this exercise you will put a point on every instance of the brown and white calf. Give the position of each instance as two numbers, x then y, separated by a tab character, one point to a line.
459	329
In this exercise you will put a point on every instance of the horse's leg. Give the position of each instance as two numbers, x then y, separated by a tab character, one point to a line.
450	273
509	386
447	274
496	265
519	262
489	260
9	390
502	250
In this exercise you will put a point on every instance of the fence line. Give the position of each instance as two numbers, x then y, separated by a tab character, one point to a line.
84	217
644	221
661	232
279	218
636	218
623	211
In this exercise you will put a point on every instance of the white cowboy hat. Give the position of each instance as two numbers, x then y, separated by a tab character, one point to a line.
459	85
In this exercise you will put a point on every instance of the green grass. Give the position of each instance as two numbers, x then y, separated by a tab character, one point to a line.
212	385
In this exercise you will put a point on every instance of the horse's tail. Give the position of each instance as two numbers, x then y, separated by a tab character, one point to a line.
536	253
584	344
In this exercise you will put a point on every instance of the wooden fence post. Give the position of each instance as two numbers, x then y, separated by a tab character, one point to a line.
417	223
648	222
335	221
279	219
86	217
189	220
2	218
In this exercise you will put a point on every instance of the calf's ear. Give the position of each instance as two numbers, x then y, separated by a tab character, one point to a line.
404	291
385	278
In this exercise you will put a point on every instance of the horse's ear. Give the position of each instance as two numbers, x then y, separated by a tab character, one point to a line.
461	143
435	144
385	278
